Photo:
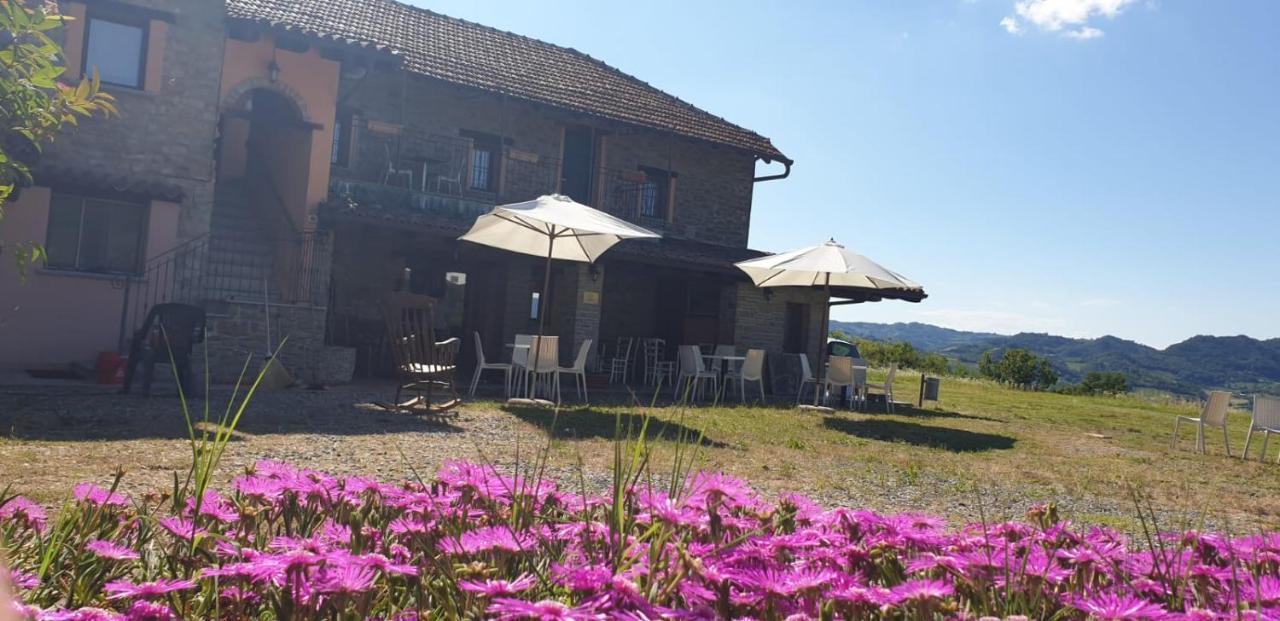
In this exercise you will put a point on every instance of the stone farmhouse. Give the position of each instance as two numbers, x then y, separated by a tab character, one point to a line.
317	154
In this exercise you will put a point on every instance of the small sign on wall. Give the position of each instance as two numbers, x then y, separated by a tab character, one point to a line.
591	297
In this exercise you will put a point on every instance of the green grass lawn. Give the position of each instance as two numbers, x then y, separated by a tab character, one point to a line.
982	449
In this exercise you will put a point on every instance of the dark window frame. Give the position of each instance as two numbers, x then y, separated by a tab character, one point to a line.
343	133
140	250
491	145
140	22
654	193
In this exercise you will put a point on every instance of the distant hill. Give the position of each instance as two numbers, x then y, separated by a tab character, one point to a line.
1197	364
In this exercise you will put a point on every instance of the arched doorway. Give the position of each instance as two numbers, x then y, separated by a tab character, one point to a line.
264	160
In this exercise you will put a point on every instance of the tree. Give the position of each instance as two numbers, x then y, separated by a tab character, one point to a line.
1104	383
34	103
1019	368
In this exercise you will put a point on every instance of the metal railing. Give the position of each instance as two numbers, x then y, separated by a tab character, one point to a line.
222	266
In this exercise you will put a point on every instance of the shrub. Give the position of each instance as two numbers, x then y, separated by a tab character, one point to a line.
283	542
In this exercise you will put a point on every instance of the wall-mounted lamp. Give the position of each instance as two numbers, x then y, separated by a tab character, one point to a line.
594	271
273	71
768	294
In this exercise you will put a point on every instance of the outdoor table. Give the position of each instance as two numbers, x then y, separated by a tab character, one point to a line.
723	362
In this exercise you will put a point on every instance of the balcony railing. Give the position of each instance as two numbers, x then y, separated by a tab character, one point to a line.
436	174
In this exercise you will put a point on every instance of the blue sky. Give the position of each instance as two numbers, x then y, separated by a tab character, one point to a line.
1079	167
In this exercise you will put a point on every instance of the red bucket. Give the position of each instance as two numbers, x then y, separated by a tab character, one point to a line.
110	368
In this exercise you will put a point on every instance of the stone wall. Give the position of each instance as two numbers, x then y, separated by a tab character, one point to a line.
237	330
760	323
166	134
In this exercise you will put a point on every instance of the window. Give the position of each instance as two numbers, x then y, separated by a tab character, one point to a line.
484	160
655	191
341	150
95	235
117	50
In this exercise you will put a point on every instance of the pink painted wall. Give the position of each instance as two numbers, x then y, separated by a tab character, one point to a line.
304	76
56	318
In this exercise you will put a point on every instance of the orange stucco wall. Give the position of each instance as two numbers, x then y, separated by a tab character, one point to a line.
304	76
56	318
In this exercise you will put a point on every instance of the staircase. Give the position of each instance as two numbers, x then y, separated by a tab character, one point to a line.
241	249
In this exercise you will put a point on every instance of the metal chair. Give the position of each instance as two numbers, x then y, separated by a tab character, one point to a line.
656	366
424	366
1214	414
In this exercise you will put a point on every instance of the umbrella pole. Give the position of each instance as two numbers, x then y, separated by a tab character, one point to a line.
542	316
822	341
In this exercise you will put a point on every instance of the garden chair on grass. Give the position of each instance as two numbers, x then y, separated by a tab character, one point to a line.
424	366
1266	418
1214	414
482	366
839	375
693	372
578	371
886	388
806	377
752	370
547	361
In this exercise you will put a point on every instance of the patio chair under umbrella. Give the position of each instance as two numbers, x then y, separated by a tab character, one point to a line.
838	271
555	227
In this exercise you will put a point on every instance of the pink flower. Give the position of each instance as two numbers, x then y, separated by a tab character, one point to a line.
26	513
497	588
121	589
23	580
921	591
489	538
213	506
111	551
150	611
94	495
345	579
506	609
1113	606
182	528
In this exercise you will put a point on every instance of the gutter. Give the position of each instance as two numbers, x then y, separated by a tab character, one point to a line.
782	175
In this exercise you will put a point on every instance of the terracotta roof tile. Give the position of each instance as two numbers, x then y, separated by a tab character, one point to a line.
478	56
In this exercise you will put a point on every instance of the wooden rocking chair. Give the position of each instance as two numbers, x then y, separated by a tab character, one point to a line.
424	367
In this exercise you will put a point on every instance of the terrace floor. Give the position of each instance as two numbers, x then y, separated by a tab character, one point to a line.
984	450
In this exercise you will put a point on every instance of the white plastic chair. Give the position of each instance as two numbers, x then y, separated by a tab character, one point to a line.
806	377
752	370
1214	414
1266	418
886	387
693	371
547	361
482	366
393	171
839	375
578	371
520	359
621	361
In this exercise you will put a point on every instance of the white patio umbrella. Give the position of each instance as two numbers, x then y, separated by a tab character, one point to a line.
838	271
555	227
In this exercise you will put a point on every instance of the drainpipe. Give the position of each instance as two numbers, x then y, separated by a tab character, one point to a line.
782	175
